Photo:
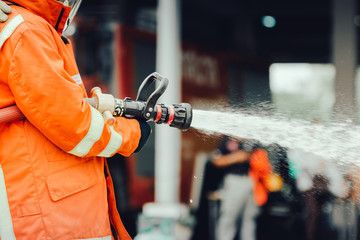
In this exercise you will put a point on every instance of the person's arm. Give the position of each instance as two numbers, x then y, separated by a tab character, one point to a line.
4	11
238	156
53	102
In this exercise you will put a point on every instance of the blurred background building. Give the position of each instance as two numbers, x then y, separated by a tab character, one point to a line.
235	53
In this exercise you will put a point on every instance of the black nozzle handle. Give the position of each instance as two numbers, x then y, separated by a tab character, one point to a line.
154	96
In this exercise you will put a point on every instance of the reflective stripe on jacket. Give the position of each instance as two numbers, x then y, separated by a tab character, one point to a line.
52	183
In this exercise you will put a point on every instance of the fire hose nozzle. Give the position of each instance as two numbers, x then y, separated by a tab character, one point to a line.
144	107
176	115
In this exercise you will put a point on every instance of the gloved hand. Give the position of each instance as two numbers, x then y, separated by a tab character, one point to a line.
145	133
4	10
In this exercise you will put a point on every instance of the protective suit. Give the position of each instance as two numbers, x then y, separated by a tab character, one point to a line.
52	180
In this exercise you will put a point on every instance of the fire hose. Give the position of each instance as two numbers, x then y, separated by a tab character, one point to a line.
143	108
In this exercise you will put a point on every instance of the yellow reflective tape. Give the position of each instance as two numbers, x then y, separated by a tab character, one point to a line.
101	238
10	28
77	78
93	135
113	145
6	227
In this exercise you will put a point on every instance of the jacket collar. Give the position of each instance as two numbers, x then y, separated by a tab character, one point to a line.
54	12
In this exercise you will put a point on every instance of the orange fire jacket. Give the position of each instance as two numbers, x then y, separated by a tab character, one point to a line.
52	182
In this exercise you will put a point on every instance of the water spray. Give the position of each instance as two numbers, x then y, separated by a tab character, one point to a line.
334	141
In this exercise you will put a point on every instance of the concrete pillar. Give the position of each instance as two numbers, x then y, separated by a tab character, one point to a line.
344	57
168	64
167	140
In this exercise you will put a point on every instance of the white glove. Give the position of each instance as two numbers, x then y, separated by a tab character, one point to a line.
4	10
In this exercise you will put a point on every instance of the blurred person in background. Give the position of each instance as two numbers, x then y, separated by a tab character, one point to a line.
321	182
54	179
237	202
280	217
345	212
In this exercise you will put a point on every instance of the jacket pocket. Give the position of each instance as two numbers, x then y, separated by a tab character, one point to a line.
72	180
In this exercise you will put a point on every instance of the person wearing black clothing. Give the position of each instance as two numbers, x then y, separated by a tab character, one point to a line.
237	203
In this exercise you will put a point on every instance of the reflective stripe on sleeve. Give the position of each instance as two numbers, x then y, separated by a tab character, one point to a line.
102	238
10	28
92	136
77	78
113	145
6	227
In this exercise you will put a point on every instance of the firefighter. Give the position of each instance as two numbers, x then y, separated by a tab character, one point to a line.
237	201
54	179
